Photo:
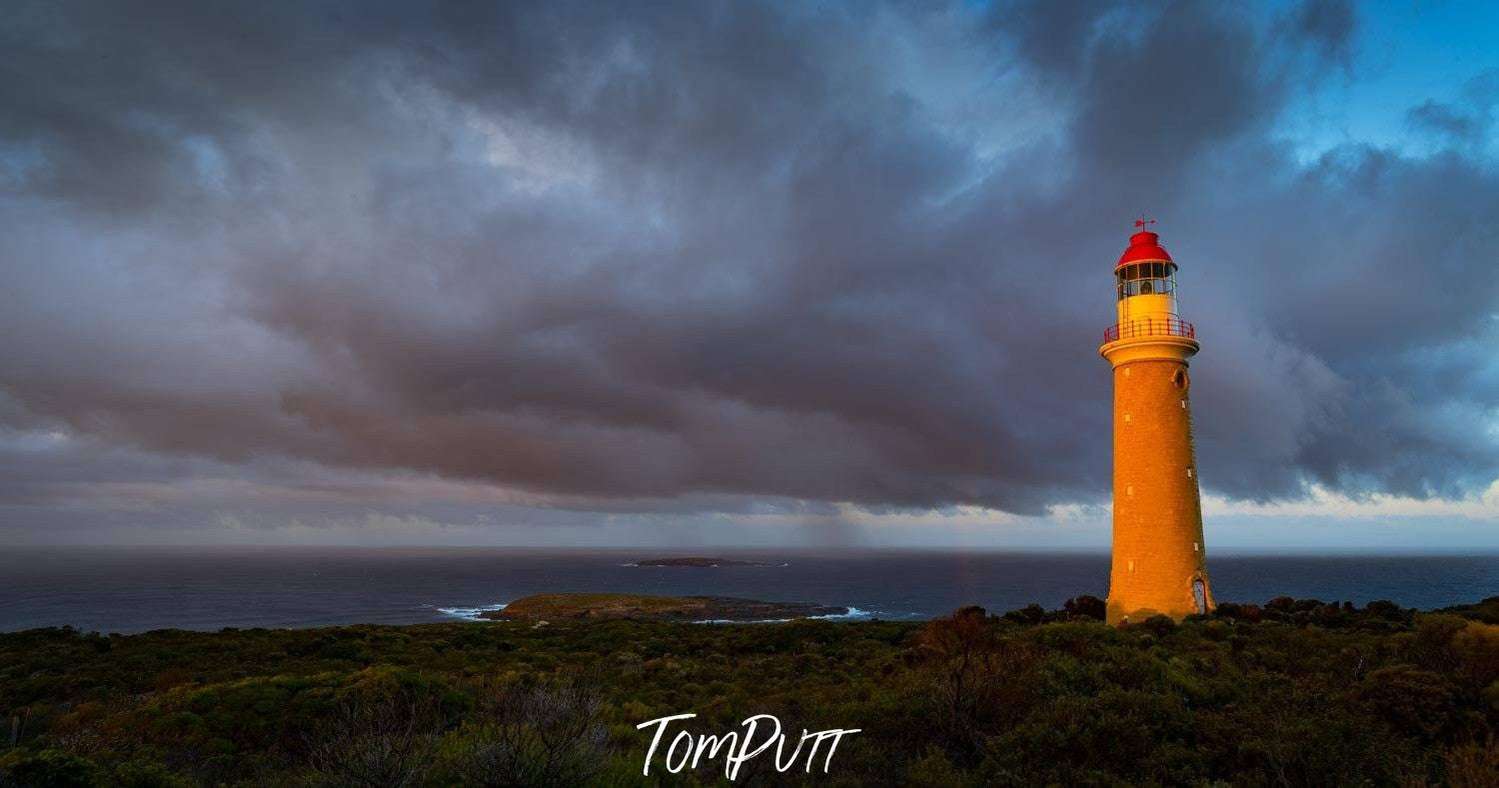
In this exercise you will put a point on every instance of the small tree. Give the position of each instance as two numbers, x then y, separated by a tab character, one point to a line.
537	736
379	740
977	676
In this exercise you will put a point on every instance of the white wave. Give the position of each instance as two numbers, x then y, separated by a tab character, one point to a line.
705	566
471	613
853	614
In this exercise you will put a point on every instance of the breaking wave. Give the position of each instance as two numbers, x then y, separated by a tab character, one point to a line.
853	614
470	613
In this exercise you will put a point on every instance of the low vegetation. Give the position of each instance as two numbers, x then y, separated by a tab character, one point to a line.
1294	692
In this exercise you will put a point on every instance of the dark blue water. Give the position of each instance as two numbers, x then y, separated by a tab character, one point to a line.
133	590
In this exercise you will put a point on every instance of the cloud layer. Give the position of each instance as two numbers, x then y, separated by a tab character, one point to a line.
692	256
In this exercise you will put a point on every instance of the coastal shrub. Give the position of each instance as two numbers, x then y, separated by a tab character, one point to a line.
1473	765
1476	647
1486	611
1030	615
147	774
1085	607
1411	701
52	768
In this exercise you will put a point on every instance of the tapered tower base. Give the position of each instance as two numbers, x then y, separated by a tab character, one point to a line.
1158	560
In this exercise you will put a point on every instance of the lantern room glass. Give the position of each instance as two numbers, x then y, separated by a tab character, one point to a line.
1145	279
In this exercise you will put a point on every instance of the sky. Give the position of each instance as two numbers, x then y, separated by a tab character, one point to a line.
737	273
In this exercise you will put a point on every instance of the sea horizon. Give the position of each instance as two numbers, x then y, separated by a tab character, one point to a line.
1237	551
136	588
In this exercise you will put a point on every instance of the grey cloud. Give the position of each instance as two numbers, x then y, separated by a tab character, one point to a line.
1445	119
1465	122
697	255
1329	25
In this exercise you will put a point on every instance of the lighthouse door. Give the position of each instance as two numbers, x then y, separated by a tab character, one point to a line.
1200	594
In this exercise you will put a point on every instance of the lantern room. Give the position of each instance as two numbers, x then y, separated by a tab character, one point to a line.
1145	283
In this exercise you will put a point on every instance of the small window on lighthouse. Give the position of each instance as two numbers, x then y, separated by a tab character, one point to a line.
1129	489
1189	473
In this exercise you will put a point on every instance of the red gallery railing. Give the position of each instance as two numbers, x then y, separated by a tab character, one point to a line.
1146	327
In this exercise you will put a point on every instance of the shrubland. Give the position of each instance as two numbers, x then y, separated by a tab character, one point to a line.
1292	692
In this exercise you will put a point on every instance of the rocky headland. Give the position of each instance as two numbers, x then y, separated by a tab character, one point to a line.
604	607
696	561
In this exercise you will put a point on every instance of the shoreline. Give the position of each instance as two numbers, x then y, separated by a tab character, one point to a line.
1279	610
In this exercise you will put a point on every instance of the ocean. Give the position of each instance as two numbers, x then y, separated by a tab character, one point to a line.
138	589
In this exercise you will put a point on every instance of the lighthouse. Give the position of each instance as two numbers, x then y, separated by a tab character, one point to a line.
1158	557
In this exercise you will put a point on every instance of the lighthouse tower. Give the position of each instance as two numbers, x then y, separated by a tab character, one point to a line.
1158	563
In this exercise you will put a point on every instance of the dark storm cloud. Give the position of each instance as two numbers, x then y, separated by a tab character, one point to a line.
622	256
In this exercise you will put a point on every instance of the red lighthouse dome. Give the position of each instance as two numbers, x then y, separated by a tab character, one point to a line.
1144	247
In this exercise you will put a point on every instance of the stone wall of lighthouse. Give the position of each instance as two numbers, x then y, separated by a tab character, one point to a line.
1158	545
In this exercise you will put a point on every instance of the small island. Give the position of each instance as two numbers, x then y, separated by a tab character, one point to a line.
606	607
696	561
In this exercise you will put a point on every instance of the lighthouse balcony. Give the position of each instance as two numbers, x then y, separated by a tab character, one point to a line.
1147	327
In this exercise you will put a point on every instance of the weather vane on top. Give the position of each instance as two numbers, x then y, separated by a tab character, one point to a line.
1142	221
